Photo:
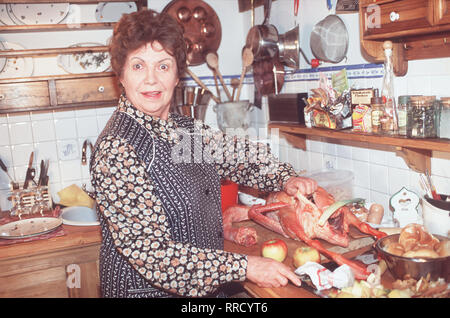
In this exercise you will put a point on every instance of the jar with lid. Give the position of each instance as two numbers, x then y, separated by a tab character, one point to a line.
422	117
377	105
444	118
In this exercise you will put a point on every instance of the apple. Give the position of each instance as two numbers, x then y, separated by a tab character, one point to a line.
305	254
275	249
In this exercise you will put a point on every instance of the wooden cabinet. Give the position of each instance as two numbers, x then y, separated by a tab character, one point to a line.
60	267
62	91
419	29
56	92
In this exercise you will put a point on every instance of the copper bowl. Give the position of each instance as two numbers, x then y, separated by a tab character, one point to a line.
404	267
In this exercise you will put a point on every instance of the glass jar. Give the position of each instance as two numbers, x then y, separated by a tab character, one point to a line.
421	117
444	118
401	114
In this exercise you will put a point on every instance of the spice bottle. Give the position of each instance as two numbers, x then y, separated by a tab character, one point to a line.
421	117
390	122
401	114
377	114
444	118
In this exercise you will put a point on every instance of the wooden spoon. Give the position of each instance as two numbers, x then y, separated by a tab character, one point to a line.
247	60
213	62
235	84
199	82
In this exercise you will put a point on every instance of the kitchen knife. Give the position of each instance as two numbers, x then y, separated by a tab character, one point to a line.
41	173
30	172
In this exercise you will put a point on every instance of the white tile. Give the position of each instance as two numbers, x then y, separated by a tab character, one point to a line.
20	133
105	111
440	85
101	122
294	160
68	149
41	115
442	185
344	151
378	157
87	126
440	164
65	128
330	161
393	160
46	151
329	148
379	178
398	178
360	154
314	145
380	198
315	161
362	174
43	130
18	117
5	155
70	170
5	204
3	118
21	154
419	85
344	163
4	135
359	192
85	112
63	113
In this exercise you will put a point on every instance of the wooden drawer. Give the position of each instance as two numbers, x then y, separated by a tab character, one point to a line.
98	89
20	96
401	17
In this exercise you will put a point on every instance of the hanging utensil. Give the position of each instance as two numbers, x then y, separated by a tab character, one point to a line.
329	39
30	172
296	4
235	82
216	83
199	82
213	62
247	60
435	195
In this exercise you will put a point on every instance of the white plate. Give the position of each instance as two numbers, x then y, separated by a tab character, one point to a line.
113	11
4	16
2	59
250	200
17	66
29	227
79	63
79	216
39	13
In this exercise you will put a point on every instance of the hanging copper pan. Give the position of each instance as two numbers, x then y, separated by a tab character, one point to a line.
202	29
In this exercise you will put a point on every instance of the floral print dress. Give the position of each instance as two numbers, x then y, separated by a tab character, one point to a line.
157	188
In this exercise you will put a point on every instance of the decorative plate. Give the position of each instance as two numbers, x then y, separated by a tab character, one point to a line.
113	11
11	15
17	66
2	59
85	62
41	13
4	16
29	227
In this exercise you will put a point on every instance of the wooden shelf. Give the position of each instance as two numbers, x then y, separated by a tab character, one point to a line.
56	27
416	152
53	51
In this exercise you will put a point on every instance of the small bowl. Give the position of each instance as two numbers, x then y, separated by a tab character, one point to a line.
415	268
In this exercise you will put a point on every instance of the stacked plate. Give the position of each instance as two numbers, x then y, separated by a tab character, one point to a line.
15	66
32	14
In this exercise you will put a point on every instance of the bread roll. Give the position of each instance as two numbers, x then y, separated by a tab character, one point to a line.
376	213
443	248
422	252
395	248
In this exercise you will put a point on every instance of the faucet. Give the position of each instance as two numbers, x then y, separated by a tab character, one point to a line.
84	149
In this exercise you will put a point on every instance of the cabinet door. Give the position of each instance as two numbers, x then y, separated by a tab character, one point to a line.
96	89
50	282
442	11
24	95
397	16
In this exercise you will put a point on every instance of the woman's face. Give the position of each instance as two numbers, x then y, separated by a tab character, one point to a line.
149	78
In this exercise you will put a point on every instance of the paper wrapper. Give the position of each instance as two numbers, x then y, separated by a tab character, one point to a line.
74	196
323	278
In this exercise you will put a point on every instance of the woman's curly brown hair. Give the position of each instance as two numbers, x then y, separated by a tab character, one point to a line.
146	26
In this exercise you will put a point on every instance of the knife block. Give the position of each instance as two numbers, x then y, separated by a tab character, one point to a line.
34	200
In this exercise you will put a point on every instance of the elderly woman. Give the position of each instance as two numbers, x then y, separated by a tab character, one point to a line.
161	220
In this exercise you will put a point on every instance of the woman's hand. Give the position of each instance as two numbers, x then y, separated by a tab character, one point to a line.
306	186
266	272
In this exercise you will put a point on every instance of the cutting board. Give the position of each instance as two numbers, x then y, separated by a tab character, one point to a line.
266	234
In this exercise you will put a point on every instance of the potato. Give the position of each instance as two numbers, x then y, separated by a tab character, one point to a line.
376	213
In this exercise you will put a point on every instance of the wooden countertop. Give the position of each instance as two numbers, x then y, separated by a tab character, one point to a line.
84	236
76	237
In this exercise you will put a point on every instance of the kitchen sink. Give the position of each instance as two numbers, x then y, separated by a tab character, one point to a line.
79	216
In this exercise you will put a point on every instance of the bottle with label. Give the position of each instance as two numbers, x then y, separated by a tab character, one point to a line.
377	105
390	122
402	114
